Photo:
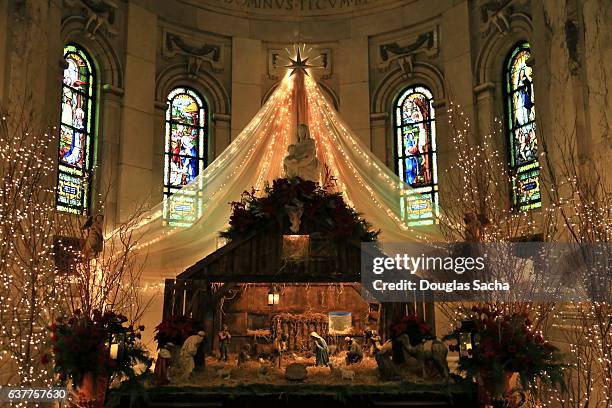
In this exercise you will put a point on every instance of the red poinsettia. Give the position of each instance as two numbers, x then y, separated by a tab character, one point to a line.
505	342
80	343
416	329
175	329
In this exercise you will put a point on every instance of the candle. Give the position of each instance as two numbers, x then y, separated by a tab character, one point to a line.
114	351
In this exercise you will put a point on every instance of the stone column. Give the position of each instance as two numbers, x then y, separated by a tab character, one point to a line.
246	82
4	50
457	57
136	144
486	112
159	151
597	73
380	138
354	93
108	150
458	72
222	134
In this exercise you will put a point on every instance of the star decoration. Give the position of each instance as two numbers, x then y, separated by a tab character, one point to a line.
299	64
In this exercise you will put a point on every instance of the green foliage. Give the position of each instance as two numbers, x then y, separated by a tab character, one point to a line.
323	211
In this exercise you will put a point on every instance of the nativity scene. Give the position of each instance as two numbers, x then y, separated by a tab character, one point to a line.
286	283
318	203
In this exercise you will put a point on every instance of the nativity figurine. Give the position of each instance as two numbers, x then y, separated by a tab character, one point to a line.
280	346
224	340
295	217
162	365
355	352
186	362
321	350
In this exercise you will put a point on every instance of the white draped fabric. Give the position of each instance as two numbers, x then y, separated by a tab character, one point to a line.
256	157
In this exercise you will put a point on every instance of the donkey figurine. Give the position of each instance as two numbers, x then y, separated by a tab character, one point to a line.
431	353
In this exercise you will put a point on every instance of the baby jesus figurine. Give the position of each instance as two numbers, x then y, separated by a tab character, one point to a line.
301	160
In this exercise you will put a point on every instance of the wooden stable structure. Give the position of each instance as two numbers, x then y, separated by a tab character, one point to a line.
210	291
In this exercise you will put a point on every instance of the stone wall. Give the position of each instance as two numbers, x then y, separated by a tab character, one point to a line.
143	50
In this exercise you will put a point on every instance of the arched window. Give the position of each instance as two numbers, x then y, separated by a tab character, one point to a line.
185	154
520	116
77	132
415	154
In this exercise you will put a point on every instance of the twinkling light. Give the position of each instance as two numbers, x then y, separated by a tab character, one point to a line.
28	280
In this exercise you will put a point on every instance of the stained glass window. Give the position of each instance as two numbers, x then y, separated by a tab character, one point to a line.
415	154
77	132
523	144
185	155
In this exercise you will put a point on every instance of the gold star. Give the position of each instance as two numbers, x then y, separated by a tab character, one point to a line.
299	64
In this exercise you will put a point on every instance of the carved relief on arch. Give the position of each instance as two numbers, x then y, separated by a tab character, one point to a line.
196	53
97	15
177	75
403	51
497	15
388	89
101	50
495	48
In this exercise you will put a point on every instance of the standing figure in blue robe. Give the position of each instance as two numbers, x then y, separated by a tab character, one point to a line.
190	154
411	162
525	96
321	350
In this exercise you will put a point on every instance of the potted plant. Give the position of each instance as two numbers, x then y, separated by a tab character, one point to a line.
505	349
89	350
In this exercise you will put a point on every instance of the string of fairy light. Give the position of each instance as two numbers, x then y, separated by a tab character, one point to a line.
274	112
335	143
27	273
322	118
471	162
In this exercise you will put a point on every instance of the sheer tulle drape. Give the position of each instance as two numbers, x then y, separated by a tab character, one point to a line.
256	157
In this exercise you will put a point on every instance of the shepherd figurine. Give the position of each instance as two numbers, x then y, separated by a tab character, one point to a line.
224	340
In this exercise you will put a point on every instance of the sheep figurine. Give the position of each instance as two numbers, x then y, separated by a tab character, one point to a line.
344	373
224	373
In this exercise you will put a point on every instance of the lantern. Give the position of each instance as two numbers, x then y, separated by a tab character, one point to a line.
467	338
114	351
116	346
273	296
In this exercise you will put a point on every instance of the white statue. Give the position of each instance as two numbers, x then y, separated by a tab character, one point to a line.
301	160
295	217
186	355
